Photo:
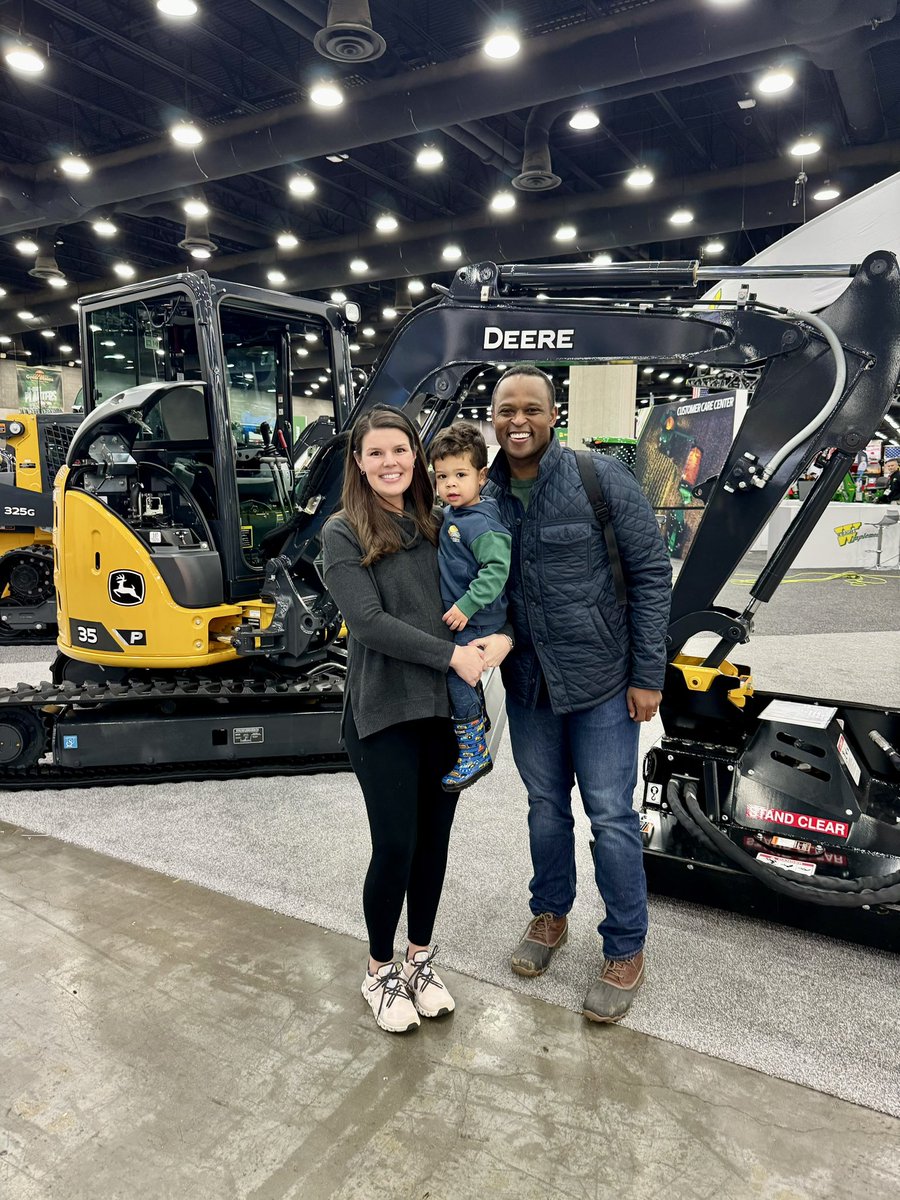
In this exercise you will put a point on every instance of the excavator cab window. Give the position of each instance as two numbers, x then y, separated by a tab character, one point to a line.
142	341
277	375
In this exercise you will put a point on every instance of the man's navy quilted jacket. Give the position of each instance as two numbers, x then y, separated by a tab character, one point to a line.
562	601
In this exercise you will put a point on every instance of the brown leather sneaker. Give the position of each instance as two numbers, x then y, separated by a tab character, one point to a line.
611	996
545	934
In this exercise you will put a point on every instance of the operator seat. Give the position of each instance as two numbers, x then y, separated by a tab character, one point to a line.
182	416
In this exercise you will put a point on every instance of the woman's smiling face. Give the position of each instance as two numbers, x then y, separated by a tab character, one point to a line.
386	459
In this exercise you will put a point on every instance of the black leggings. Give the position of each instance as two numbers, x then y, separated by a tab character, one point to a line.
399	770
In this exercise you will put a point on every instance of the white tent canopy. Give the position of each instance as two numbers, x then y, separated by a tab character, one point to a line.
845	234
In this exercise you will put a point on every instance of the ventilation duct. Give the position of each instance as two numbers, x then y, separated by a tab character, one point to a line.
196	240
348	36
537	173
47	269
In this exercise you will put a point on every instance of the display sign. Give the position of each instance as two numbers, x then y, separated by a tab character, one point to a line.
682	444
39	389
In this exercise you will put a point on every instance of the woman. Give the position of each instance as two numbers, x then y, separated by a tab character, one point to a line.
380	565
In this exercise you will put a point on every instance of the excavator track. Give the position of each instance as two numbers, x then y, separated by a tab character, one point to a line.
28	604
38	724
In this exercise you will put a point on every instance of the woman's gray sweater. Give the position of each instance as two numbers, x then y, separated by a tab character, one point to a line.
399	649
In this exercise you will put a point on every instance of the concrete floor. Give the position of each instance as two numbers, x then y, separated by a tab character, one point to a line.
161	1040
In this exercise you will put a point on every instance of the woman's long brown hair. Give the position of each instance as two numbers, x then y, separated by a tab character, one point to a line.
377	531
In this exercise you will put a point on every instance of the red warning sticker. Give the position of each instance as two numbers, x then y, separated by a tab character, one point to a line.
792	820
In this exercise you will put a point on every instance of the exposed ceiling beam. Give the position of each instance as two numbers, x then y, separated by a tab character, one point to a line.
643	43
754	196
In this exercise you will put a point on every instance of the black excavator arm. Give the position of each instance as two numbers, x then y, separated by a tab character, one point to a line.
754	810
827	381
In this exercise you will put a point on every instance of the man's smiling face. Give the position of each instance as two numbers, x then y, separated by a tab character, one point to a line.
524	416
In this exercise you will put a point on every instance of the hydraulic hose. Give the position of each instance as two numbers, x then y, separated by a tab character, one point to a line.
763	476
839	893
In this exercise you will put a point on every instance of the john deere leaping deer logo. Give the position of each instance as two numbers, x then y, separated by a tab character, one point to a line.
126	587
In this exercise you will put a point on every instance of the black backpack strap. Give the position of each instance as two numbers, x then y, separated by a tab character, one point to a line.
585	461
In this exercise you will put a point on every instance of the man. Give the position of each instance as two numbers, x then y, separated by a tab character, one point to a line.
582	676
891	493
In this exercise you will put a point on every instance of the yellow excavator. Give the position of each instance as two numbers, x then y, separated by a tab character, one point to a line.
197	640
33	447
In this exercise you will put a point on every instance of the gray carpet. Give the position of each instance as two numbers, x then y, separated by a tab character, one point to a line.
793	1005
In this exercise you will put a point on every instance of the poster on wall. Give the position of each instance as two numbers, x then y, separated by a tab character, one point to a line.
39	389
682	444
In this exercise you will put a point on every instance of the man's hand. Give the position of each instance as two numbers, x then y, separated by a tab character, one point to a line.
455	618
643	704
496	646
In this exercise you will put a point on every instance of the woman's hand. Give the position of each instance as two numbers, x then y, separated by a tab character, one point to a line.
496	646
468	663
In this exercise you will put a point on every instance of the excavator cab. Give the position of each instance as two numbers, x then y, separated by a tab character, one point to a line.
184	465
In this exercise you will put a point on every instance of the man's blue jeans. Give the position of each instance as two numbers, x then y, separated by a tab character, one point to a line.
598	747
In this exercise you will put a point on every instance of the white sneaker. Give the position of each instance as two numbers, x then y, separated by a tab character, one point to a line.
387	994
429	993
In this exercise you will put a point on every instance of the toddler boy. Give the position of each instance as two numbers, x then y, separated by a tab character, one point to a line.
473	555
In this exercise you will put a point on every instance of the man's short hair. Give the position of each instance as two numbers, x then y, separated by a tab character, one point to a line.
461	438
527	369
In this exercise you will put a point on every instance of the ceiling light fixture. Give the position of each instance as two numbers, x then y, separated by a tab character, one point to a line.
367	331
429	158
805	146
25	315
104	228
827	192
386	223
288	241
186	133
503	201
57	281
451	253
124	270
301	185
201	253
48	333
65	349
196	208
177	8
24	59
75	166
714	247
681	216
566	233
338	298
326	95
502	44
640	177
337	158
416	287
584	118
602	260
389	313
774	82
276	277
27	246
358	266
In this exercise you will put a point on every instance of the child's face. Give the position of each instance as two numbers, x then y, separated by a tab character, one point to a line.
458	483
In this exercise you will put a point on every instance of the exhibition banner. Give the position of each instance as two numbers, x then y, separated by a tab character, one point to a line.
39	389
682	444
